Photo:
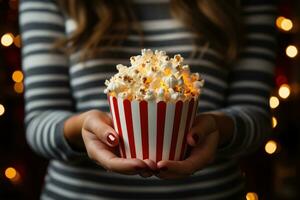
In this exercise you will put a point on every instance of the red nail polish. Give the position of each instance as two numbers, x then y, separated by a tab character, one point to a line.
111	138
196	138
164	169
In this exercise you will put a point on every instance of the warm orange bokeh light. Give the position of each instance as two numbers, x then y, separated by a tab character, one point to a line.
10	173
2	109
291	51
274	122
271	147
17	76
7	39
274	102
251	196
284	91
19	88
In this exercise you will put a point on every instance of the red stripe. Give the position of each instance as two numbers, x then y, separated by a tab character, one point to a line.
176	125
187	124
128	119
144	128
117	116
161	114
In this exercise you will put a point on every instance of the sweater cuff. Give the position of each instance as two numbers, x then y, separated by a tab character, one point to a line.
232	147
67	153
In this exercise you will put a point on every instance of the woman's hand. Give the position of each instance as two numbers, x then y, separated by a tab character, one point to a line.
204	138
101	143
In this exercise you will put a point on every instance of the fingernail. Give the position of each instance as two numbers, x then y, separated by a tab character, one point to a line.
111	138
164	169
196	138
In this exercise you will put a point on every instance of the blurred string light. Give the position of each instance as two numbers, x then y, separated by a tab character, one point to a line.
13	175
17	41
271	147
10	173
274	102
7	39
17	76
274	122
284	24
291	51
19	88
251	196
284	91
2	109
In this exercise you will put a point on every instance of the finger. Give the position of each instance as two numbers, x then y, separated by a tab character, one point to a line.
151	164
103	155
103	131
199	157
146	174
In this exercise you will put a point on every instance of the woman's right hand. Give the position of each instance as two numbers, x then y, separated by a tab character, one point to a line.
101	143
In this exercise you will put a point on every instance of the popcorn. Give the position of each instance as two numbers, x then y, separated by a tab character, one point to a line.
155	76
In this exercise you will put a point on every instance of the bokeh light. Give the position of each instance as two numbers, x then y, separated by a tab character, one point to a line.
251	196
274	102
284	23
7	39
274	122
284	91
17	41
17	76
271	147
279	21
2	109
19	88
10	173
291	51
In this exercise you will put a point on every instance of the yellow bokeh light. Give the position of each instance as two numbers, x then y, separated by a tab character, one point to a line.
10	173
2	109
274	122
284	91
291	51
19	88
251	196
271	147
17	76
279	21
17	41
286	24
274	102
7	39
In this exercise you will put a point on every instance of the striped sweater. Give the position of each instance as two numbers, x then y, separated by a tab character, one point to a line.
58	86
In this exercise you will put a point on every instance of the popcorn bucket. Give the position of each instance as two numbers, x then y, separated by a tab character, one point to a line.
152	130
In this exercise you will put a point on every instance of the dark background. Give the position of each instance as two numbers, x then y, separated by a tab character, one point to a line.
272	176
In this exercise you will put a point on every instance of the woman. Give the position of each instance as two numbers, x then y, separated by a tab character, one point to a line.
71	47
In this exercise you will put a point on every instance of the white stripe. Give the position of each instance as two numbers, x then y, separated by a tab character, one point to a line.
205	104
259	19
158	25
79	93
90	78
124	188
95	63
99	103
253	84
256	64
212	93
206	63
247	97
136	122
36	47
261	36
31	115
44	60
40	17
40	103
37	5
41	33
46	78
212	79
168	130
112	109
124	127
152	129
162	37
46	91
181	129
259	8
259	50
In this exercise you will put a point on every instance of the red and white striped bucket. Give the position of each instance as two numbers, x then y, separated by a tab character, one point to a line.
148	129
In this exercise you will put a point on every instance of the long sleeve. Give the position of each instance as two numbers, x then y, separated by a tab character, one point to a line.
48	99
251	80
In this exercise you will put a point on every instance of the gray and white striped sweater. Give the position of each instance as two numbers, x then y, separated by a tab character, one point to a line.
58	86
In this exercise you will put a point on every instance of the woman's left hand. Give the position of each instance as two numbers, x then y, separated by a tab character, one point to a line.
204	139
